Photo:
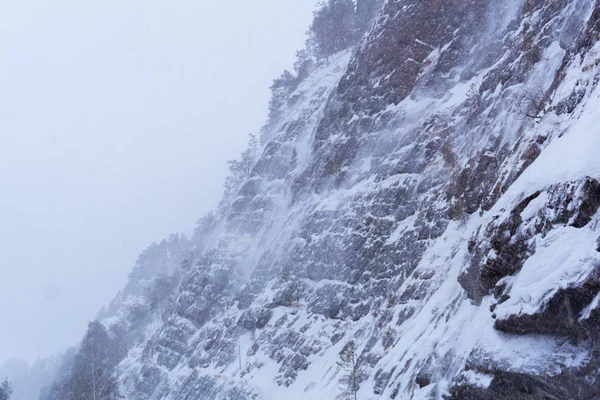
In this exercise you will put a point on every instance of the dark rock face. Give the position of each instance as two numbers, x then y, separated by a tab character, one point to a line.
255	319
569	313
398	50
398	55
561	315
506	243
507	385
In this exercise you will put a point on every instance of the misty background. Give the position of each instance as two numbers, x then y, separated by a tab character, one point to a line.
116	122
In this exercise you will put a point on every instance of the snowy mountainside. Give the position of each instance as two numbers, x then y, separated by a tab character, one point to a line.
429	198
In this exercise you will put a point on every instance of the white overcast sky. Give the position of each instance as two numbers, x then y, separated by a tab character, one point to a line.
117	118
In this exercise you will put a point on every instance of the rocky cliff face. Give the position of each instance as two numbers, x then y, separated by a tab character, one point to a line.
431	197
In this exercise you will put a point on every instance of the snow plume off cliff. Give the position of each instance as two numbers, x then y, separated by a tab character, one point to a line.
427	199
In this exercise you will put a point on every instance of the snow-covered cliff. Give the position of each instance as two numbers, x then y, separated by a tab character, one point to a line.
428	198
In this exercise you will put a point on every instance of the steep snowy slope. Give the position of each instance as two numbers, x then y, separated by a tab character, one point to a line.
429	198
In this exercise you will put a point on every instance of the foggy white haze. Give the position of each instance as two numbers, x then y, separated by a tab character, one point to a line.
116	122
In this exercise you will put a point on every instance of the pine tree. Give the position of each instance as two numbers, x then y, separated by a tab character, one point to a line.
92	376
5	390
333	28
240	170
281	89
303	65
349	362
294	160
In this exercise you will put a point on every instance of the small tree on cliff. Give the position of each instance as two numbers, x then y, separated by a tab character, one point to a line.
5	390
93	375
333	28
349	363
241	170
